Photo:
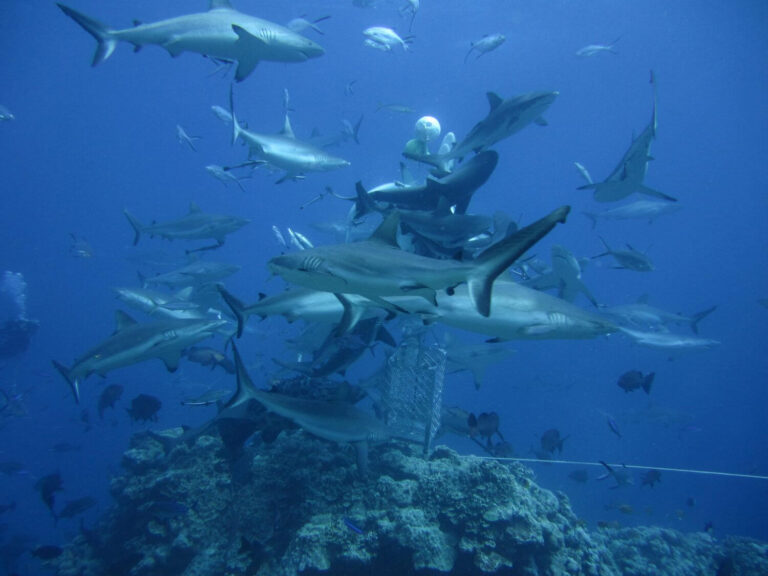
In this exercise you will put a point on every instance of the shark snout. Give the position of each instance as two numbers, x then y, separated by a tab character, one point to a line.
312	49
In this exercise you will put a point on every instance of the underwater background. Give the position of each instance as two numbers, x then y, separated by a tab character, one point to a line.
86	143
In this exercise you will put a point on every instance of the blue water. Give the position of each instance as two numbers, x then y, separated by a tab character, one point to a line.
87	143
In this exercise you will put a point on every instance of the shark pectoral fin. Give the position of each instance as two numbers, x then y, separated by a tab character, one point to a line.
122	321
425	292
480	288
651	192
174	46
249	47
350	317
171	360
383	335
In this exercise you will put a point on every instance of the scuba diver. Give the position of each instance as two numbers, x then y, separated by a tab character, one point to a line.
16	332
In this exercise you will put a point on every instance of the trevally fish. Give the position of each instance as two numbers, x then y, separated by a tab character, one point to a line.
221	33
184	138
485	44
385	38
592	49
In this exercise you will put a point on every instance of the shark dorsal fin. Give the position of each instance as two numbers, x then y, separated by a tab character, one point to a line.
194	208
386	233
494	100
406	177
122	320
216	4
287	130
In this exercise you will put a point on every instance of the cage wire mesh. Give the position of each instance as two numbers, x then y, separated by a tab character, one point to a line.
412	390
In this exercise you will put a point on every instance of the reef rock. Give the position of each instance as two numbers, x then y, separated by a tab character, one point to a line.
298	506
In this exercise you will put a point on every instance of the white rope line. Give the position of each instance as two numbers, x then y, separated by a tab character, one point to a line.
632	466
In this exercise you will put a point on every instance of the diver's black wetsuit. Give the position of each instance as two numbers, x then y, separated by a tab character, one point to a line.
15	336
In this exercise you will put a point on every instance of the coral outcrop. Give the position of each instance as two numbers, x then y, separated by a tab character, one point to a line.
299	506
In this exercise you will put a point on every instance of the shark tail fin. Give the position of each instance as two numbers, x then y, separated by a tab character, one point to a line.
593	217
500	256
699	316
607	249
648	382
356	130
246	390
237	307
103	34
136	225
74	384
236	129
363	203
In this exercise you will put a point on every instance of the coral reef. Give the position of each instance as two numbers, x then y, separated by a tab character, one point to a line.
299	506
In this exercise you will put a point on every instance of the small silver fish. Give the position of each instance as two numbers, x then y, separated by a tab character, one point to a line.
5	114
486	44
279	236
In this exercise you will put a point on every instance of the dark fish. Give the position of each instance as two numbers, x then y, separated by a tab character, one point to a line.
613	426
352	526
622	477
108	397
581	476
165	509
10	468
651	477
48	486
634	380
62	447
209	357
503	449
75	507
79	246
551	441
486	425
46	552
144	408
